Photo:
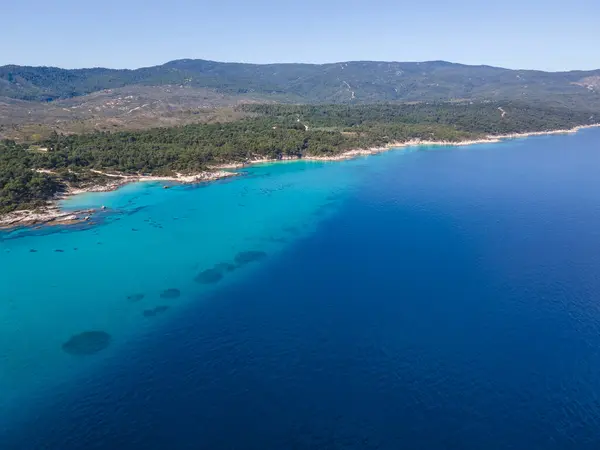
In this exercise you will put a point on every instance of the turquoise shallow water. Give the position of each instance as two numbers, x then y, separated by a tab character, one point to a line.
422	298
58	282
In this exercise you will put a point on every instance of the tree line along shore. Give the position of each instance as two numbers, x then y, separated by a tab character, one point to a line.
33	175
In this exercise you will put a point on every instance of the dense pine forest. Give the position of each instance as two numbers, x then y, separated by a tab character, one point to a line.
31	175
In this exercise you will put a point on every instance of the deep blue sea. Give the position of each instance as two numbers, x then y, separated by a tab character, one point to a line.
424	298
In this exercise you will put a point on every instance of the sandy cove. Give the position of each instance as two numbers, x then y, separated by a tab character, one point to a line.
52	215
121	179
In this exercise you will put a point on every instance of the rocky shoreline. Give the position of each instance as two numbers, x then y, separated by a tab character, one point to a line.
355	153
491	139
52	215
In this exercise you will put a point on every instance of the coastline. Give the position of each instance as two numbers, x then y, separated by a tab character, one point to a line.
355	153
490	139
53	215
122	179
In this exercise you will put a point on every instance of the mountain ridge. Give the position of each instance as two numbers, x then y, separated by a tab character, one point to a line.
374	61
341	82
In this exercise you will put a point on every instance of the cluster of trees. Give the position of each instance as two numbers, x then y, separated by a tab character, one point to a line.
195	147
29	177
21	186
478	117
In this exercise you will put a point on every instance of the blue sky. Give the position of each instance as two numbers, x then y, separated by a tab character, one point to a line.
548	35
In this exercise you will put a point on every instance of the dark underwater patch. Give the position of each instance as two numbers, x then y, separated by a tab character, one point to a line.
209	276
135	297
155	311
58	250
226	267
87	343
248	257
32	250
170	293
291	230
135	210
322	209
276	239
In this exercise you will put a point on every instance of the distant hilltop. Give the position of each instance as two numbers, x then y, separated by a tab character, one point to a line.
345	82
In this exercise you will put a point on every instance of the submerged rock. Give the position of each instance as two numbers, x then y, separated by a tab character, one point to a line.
321	210
249	256
226	267
292	230
155	311
279	240
135	297
209	276
215	274
170	293
87	343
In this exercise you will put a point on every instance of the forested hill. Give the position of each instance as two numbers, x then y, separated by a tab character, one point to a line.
348	82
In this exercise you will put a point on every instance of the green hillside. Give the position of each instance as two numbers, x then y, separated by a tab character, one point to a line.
348	82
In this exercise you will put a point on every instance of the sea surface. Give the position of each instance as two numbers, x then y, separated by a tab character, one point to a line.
424	298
